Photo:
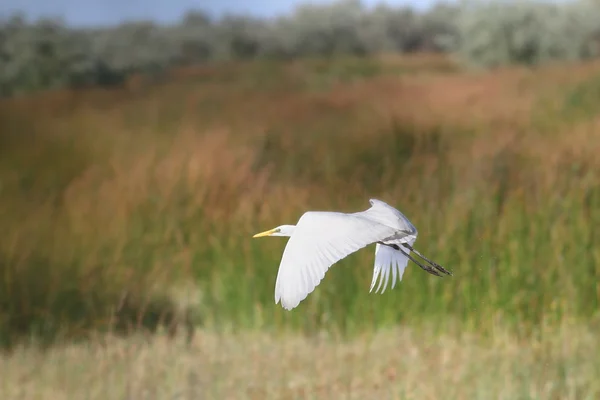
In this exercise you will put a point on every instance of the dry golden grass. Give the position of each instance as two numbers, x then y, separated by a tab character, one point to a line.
113	193
126	206
398	363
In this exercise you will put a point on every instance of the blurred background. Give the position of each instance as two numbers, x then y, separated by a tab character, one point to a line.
142	145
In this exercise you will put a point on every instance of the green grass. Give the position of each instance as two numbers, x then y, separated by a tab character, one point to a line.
580	101
113	201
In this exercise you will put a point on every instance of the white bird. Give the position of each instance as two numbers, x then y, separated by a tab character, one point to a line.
322	238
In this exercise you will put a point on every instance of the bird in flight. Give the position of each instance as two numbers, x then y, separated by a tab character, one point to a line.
322	238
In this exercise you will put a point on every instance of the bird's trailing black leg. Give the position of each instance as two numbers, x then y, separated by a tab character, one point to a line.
434	264
426	268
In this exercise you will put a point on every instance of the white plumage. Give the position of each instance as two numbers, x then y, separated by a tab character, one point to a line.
388	259
321	238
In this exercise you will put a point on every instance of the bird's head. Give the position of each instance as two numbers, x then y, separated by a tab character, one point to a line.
282	230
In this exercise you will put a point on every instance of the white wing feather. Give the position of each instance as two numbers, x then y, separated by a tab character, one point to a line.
385	214
319	241
389	260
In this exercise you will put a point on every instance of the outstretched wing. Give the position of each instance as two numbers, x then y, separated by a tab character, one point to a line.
383	213
389	260
319	241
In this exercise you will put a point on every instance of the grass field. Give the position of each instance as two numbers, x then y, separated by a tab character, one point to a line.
123	207
396	363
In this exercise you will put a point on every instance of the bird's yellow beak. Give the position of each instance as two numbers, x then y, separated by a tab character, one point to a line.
265	233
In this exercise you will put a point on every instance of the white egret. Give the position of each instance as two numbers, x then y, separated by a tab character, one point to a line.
322	238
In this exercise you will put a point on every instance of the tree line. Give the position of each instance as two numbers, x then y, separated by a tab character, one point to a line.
47	53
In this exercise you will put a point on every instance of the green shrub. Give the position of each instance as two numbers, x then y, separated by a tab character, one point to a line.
495	33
